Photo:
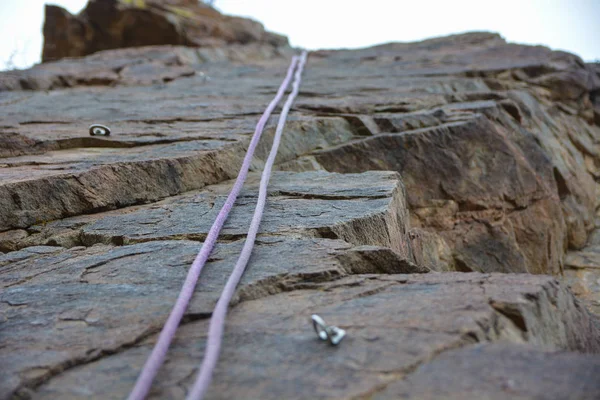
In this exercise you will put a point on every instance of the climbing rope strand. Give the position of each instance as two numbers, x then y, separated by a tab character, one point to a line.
217	321
157	357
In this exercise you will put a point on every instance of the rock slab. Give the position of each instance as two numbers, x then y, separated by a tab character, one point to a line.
435	199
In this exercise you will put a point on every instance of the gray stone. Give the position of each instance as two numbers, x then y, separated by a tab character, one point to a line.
487	160
498	371
394	323
76	305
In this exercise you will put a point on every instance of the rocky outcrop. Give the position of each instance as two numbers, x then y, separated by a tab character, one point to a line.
484	156
500	372
134	66
397	323
114	24
424	193
582	270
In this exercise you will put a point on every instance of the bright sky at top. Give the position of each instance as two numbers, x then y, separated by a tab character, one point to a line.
571	25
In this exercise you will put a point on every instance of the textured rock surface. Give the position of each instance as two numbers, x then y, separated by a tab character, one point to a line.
402	167
397	322
113	24
133	66
364	209
501	372
583	272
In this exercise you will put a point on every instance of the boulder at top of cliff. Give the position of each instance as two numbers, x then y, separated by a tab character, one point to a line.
112	24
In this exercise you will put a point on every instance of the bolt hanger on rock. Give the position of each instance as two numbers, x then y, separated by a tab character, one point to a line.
325	332
99	130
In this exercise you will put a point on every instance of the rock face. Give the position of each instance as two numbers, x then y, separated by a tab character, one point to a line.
113	24
437	200
524	373
583	272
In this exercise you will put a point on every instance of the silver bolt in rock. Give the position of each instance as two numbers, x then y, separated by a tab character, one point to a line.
99	130
325	332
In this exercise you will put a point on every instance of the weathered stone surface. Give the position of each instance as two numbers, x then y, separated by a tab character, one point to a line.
113	24
73	306
40	282
501	372
394	323
92	179
582	271
482	200
490	152
133	66
497	178
363	209
26	253
482	157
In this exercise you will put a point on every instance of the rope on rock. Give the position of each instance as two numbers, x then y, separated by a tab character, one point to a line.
157	357
217	321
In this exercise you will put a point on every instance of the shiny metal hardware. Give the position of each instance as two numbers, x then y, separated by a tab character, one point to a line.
325	332
99	130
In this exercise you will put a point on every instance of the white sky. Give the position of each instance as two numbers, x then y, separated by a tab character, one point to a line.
572	25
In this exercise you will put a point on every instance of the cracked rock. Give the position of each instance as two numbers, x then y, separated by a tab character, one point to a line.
437	200
394	324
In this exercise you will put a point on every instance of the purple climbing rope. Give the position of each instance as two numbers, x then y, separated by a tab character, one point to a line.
217	321
157	357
